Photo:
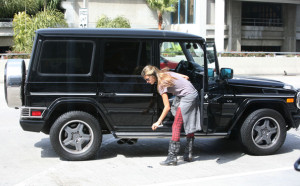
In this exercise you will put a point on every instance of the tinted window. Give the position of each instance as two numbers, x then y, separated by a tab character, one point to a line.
126	57
66	57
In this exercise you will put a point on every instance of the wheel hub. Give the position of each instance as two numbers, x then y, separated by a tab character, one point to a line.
265	132
75	139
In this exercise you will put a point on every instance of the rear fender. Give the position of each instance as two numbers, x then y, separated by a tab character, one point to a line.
82	101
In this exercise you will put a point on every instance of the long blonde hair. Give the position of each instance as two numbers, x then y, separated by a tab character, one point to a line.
163	78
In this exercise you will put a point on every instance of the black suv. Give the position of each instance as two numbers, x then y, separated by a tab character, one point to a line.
84	83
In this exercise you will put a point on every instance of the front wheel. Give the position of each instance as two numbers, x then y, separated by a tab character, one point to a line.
76	136
263	132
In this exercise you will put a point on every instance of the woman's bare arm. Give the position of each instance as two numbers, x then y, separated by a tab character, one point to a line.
165	111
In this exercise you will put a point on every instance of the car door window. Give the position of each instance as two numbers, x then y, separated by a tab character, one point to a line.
171	54
66	57
126	57
211	62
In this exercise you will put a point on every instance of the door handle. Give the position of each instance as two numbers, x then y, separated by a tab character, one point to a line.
102	94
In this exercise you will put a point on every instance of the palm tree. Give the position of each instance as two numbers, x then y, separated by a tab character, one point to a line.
162	6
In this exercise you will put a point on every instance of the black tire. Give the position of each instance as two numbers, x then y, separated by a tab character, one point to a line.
263	132
76	136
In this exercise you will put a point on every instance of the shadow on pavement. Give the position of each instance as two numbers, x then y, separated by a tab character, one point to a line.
47	150
204	149
221	150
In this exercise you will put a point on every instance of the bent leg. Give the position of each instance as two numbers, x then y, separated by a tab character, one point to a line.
177	125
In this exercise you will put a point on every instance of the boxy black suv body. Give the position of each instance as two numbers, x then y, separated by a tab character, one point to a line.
83	83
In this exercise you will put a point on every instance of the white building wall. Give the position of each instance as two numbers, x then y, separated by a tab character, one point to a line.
219	24
298	23
137	11
209	22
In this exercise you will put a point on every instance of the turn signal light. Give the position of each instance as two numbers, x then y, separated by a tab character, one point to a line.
290	100
36	113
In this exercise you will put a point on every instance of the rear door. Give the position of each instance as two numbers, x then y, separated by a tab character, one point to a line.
127	99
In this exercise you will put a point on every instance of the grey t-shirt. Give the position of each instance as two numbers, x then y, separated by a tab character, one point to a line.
181	87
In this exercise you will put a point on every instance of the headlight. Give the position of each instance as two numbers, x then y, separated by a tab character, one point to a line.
298	100
287	86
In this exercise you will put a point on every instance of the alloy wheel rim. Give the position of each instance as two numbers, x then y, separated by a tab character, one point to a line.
265	132
76	137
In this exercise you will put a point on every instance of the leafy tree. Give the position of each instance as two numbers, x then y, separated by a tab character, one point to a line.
24	26
10	7
118	22
162	6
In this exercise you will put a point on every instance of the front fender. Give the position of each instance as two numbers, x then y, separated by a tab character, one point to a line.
262	103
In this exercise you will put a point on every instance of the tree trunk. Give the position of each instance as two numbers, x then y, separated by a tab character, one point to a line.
160	20
45	5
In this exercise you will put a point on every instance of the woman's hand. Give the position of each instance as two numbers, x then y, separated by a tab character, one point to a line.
185	77
165	111
155	125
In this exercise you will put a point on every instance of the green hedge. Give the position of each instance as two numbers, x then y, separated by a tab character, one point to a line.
25	25
118	22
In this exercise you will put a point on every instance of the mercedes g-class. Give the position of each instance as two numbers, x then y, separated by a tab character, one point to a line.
83	83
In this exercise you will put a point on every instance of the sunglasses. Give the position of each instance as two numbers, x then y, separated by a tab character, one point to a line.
147	79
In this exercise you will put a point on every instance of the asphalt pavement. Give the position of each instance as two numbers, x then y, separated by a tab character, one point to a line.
27	158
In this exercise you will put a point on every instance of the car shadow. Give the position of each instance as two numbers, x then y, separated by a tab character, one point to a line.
46	149
220	150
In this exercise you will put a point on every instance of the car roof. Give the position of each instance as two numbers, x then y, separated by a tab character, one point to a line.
118	33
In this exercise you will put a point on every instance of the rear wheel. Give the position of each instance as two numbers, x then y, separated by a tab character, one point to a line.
263	132
76	136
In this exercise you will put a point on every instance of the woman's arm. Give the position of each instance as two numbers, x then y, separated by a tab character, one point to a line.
182	75
165	111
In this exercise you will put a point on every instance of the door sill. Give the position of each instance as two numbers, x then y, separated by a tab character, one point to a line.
166	135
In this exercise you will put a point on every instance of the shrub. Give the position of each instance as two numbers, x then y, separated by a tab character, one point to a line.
103	22
49	19
23	29
24	26
118	22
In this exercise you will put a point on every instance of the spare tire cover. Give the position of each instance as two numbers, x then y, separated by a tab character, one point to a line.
14	77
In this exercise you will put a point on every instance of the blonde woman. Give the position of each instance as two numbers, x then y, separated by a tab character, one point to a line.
185	109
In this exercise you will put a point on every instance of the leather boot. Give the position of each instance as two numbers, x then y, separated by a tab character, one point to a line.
188	150
174	147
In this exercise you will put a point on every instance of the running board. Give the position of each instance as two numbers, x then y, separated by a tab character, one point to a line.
165	135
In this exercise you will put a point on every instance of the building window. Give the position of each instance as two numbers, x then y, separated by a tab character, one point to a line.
184	13
261	14
261	48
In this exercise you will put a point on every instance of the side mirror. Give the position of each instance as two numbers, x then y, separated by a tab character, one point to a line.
188	46
297	165
226	73
210	72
